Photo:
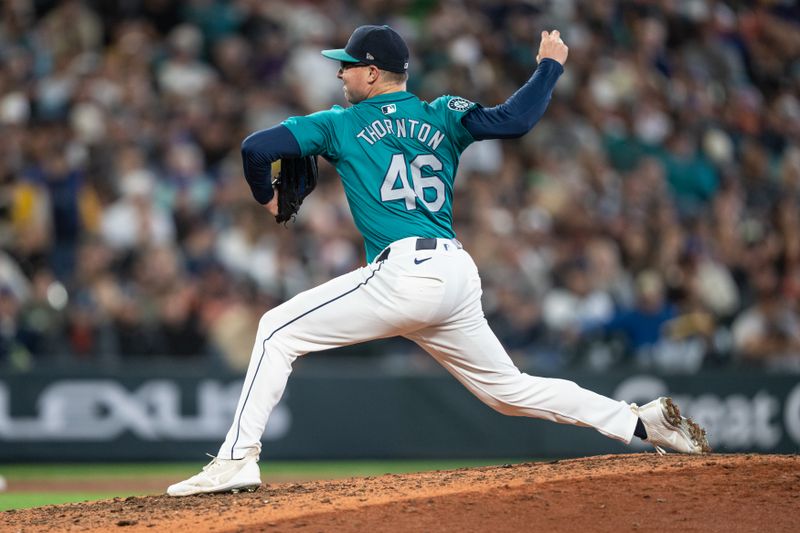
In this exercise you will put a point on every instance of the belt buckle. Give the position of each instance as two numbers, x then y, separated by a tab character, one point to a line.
426	244
433	243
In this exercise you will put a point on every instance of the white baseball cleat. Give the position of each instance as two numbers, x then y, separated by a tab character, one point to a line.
666	428
222	475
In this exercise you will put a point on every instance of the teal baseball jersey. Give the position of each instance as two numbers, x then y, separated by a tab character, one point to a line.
397	157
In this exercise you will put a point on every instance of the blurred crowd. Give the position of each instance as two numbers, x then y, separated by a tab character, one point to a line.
651	219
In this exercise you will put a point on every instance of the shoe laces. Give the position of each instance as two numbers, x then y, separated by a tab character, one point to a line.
214	463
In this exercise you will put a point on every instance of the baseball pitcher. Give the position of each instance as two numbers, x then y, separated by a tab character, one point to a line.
397	157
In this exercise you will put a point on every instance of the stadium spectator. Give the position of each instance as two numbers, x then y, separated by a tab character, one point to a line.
768	333
670	152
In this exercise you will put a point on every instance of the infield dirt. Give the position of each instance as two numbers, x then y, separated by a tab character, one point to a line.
636	492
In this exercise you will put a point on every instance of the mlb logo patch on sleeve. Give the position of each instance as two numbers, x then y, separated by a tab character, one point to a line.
388	109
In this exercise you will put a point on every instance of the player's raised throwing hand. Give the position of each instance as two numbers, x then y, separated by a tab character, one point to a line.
553	47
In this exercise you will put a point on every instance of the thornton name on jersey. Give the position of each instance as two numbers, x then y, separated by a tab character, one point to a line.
405	128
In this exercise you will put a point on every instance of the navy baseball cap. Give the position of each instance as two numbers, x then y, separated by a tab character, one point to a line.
374	45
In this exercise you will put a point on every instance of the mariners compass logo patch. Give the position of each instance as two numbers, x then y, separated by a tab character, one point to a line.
459	104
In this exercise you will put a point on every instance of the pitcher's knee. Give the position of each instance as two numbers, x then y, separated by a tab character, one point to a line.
503	407
268	323
510	396
273	326
504	402
273	334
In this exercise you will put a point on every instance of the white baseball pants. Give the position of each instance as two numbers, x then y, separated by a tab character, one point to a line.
433	297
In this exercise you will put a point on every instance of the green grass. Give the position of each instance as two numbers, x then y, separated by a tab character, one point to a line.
300	468
92	471
281	470
23	500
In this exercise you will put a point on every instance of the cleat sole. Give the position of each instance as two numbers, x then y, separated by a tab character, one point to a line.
697	433
237	490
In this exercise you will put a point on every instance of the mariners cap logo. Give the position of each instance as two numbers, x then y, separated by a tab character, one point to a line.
459	104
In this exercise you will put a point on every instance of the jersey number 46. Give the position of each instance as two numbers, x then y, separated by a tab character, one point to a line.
398	172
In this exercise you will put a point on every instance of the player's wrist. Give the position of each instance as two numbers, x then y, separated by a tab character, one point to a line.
264	196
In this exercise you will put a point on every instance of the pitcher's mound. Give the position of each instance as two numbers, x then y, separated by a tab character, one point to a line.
633	492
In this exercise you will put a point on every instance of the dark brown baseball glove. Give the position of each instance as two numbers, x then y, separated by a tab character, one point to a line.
296	179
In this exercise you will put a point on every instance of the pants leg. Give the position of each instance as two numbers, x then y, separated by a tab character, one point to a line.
476	358
466	346
373	302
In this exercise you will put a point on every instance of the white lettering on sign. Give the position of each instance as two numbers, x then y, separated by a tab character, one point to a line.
98	410
791	414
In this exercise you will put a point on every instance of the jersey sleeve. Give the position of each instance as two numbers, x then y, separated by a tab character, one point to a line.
317	133
453	109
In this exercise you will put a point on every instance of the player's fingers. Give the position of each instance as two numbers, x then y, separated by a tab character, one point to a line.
272	205
544	35
556	34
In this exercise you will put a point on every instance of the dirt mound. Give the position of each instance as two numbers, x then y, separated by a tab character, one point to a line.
607	493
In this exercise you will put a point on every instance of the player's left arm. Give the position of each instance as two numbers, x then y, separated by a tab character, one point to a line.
259	151
517	115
